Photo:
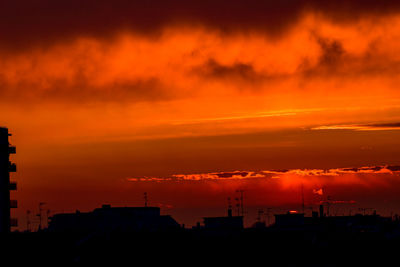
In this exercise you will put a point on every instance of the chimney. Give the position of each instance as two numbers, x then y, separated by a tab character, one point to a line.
229	212
321	211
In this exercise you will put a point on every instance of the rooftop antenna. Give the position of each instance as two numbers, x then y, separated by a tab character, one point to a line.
40	214
328	204
241	191
238	206
47	217
260	213
268	213
145	199
229	207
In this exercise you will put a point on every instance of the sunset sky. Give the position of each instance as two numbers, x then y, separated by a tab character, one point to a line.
193	100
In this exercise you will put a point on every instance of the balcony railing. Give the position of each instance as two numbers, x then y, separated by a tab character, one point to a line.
12	150
14	222
12	167
13	186
13	204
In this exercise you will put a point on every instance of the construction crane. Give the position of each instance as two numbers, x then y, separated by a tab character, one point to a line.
329	202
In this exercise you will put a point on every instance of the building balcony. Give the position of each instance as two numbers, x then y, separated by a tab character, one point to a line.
12	167
12	150
14	222
13	186
13	204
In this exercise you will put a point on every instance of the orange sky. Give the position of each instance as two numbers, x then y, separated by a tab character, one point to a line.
96	94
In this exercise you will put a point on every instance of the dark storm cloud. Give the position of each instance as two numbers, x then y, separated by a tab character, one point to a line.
332	51
335	61
332	57
384	125
25	23
237	72
79	90
231	174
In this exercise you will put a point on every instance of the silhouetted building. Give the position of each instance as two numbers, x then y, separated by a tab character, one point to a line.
224	223
259	225
321	211
109	218
355	223
289	220
5	185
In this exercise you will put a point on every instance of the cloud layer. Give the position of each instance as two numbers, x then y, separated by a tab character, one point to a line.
27	23
302	175
317	57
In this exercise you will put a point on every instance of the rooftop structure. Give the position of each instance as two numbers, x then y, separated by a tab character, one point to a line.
6	222
224	223
109	218
357	222
289	219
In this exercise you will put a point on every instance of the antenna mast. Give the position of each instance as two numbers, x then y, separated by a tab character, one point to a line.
40	214
145	199
229	207
241	191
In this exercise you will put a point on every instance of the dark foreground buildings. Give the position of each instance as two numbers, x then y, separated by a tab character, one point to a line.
5	185
319	222
121	236
111	219
128	235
